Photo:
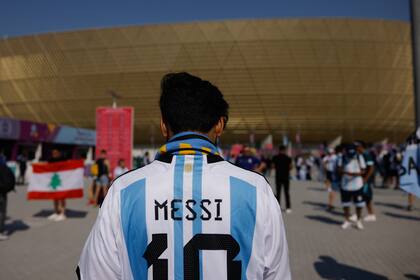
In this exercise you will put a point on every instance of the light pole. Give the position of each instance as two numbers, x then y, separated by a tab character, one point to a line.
415	39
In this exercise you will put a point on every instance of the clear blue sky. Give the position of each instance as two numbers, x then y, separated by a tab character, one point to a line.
21	17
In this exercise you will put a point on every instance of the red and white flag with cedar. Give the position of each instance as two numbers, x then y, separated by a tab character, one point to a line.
56	180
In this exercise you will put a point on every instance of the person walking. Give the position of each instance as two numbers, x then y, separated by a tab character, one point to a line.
7	184
120	169
248	160
352	167
282	164
147	158
329	162
333	178
368	179
22	161
102	178
189	214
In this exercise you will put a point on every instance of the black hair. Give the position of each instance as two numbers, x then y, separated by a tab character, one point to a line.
349	149
282	148
338	149
188	103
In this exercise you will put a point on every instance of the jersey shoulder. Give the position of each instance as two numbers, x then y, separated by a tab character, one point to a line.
155	168
253	178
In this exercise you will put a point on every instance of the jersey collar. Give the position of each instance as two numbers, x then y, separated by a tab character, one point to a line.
188	143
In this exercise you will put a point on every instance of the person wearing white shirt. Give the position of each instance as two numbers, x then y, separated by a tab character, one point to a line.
352	167
332	181
120	169
189	214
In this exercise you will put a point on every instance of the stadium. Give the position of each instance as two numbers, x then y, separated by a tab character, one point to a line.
316	78
315	176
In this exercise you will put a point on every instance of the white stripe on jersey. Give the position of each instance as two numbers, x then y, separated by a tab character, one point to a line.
187	194
187	204
213	191
160	193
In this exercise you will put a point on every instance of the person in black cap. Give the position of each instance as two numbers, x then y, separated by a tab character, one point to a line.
352	168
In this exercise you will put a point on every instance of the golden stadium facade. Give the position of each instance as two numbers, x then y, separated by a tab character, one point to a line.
320	78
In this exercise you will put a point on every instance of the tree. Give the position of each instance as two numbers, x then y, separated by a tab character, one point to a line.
55	181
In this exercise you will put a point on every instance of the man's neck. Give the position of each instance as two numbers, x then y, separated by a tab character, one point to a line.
210	135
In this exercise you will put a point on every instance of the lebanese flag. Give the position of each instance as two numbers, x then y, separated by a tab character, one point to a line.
58	180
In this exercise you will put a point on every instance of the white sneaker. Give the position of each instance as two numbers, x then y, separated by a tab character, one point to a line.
346	225
370	218
52	216
353	218
288	211
60	218
359	225
3	237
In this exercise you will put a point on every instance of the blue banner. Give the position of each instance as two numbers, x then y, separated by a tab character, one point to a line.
409	175
75	136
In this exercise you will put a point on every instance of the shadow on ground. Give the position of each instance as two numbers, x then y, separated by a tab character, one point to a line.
323	219
317	189
69	213
15	225
322	206
400	216
328	268
391	205
412	276
316	204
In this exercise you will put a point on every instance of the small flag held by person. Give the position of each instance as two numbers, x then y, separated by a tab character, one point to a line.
58	180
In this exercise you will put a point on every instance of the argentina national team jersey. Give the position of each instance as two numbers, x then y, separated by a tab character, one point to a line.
192	216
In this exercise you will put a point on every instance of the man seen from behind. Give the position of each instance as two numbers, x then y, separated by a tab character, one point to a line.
189	214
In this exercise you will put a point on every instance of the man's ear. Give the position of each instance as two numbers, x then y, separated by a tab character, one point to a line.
164	129
220	126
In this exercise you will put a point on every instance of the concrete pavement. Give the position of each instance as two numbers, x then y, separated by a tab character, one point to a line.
319	248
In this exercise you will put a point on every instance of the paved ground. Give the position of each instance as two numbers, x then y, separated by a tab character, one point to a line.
319	248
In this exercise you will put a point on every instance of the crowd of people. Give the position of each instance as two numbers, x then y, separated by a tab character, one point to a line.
339	173
281	163
101	174
351	170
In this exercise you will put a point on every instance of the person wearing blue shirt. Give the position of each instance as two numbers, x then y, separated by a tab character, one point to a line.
247	160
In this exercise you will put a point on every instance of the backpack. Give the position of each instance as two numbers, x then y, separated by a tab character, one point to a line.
94	169
7	179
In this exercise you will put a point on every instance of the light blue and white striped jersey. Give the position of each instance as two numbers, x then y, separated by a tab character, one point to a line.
188	217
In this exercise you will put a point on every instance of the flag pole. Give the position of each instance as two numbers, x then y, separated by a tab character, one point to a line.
415	43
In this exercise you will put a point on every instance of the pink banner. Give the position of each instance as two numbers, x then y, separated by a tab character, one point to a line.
114	133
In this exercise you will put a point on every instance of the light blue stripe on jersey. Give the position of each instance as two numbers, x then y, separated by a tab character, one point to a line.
243	204
178	225
197	194
133	220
